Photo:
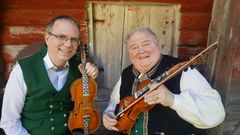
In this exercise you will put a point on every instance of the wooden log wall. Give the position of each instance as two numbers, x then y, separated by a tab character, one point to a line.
23	23
224	71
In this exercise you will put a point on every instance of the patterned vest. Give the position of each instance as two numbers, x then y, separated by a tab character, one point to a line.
45	110
160	119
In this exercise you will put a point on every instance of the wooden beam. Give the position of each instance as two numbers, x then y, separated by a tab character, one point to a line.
224	28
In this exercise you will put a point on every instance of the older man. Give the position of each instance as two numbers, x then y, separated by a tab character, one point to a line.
184	105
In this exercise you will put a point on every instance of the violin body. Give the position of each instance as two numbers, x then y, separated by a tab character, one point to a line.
84	118
128	119
83	106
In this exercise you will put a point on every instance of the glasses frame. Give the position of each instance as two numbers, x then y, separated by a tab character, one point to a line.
64	38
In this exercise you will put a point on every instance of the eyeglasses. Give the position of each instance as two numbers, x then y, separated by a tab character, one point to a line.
64	38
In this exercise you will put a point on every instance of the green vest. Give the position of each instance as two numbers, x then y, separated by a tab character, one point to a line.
46	110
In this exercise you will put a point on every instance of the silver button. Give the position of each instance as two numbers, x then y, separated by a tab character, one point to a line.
51	119
52	128
64	115
50	112
65	124
51	106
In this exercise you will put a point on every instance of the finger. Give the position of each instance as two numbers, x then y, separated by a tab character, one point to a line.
80	67
93	74
89	68
109	119
114	128
109	122
152	96
106	123
92	70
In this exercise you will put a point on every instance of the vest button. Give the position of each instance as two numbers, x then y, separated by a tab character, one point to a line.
65	124
51	119
64	115
52	128
51	106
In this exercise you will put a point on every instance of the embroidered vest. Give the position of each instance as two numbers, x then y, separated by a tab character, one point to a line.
45	110
160	119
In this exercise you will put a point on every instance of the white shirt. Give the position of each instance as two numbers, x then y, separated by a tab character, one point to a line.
15	94
197	103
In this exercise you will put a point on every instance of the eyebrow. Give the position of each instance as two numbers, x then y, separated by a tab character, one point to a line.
142	42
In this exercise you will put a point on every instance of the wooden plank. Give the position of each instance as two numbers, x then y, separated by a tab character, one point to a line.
225	28
108	26
135	17
187	51
10	52
13	52
194	38
28	34
164	27
116	21
39	16
43	4
186	5
22	34
195	21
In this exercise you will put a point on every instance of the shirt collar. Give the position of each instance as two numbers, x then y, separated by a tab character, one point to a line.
49	65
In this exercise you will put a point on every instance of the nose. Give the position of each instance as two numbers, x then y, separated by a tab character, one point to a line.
140	48
68	42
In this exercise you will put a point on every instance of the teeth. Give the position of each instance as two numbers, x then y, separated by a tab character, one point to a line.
143	57
65	52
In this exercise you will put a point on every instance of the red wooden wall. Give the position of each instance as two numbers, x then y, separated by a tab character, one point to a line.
23	22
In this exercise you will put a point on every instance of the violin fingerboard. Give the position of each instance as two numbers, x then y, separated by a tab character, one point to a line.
84	50
86	120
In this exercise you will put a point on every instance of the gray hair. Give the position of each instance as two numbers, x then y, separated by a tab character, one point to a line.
143	30
64	17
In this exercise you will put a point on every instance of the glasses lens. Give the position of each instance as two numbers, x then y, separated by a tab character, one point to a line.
64	38
74	41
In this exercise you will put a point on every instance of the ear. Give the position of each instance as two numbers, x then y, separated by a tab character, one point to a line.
47	38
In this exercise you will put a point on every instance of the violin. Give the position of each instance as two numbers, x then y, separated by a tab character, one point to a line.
84	118
131	107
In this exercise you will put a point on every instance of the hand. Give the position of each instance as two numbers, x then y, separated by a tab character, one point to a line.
109	122
91	70
160	96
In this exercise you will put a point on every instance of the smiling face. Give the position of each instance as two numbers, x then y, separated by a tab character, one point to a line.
60	52
143	51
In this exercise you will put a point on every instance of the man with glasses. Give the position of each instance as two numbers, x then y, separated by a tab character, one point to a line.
37	97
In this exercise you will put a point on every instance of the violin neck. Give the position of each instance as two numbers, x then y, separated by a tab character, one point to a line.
84	73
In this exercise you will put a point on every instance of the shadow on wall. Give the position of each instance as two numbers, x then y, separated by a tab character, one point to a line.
2	62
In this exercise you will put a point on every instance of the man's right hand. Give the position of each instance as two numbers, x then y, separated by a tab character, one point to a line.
109	122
